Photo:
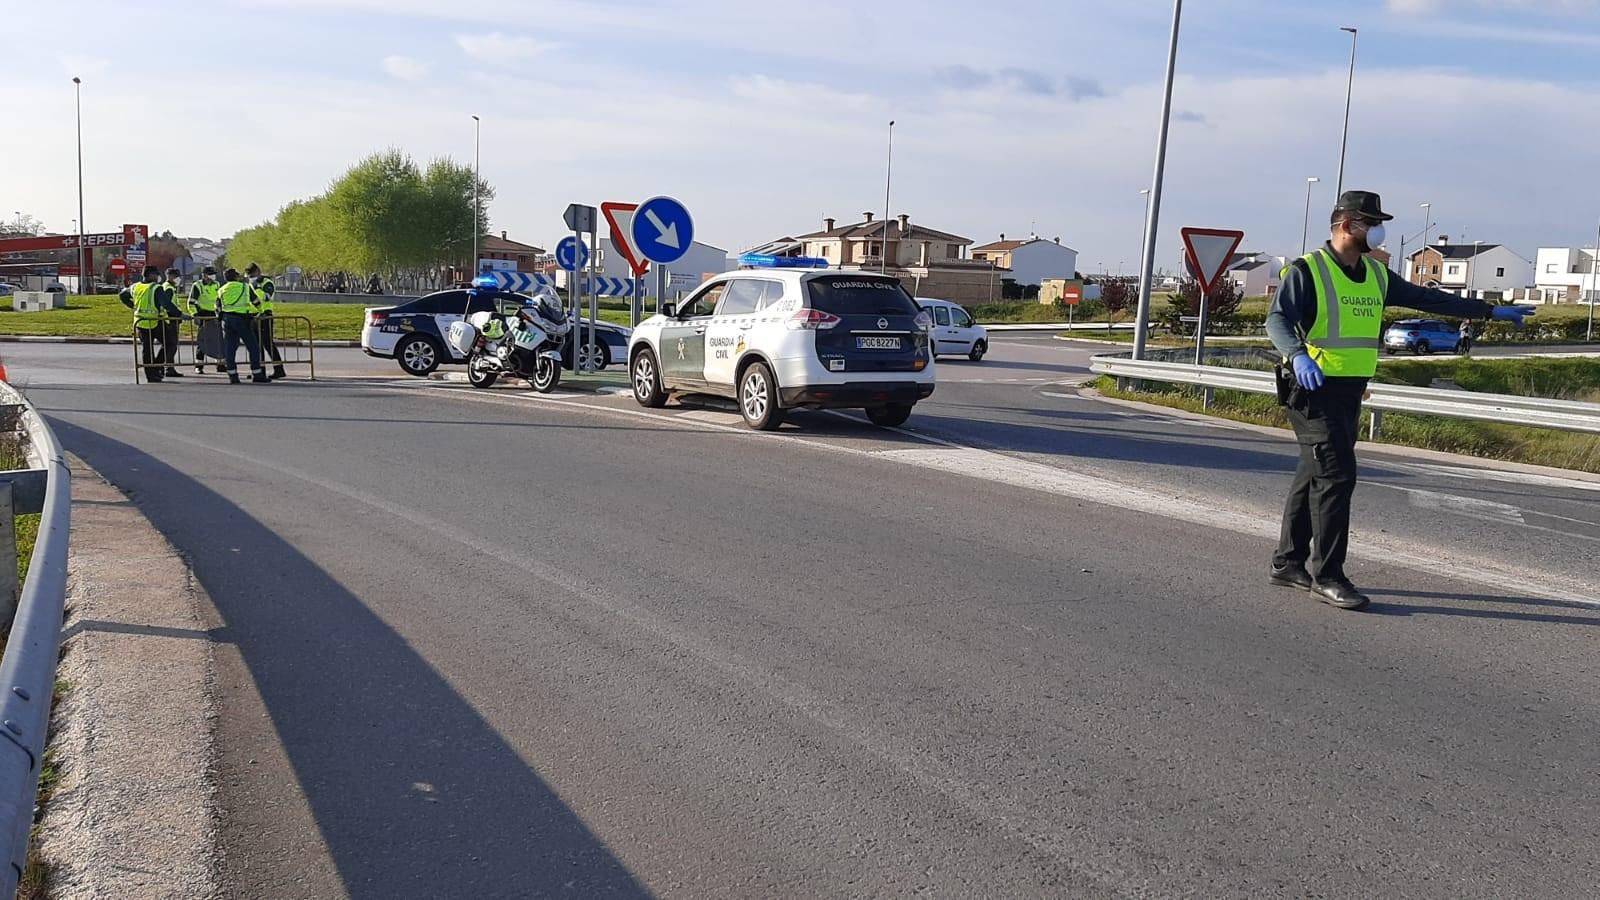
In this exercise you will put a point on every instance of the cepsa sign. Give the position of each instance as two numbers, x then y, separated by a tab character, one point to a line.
129	236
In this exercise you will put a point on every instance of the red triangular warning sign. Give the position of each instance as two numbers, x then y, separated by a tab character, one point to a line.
619	216
1208	252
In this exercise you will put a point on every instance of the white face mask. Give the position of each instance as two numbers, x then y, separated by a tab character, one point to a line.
1375	236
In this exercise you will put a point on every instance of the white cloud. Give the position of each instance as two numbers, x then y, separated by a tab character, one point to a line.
404	68
496	47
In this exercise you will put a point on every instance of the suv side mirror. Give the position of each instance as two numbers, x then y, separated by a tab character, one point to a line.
670	310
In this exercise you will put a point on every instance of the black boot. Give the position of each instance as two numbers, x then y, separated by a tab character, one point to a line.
173	373
233	377
260	378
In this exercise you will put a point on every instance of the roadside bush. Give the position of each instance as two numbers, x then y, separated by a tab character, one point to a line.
1019	313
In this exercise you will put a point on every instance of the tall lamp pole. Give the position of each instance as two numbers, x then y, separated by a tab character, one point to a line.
1152	219
888	173
1349	86
1305	228
1594	267
1472	270
1427	223
84	265
477	135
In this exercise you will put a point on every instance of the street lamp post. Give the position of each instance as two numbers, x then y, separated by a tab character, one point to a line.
1472	270
85	257
888	173
1152	218
477	134
1350	84
1427	223
1305	228
1594	267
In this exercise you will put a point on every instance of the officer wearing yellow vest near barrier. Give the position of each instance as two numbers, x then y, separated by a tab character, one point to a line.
237	300
265	290
1327	322
203	306
150	300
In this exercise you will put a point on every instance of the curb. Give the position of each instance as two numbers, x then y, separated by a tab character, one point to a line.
135	812
86	339
1439	456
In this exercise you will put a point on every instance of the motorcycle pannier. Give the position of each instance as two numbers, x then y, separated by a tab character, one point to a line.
461	335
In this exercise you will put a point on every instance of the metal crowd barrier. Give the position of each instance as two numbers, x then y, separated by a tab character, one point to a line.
1537	412
297	347
28	669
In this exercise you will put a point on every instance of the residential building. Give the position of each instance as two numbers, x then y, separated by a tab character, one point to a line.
503	253
1566	275
1484	271
1256	274
930	262
1031	261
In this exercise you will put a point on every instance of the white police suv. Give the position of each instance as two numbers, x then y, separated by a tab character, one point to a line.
785	333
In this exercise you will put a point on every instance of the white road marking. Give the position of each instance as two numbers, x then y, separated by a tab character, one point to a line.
1531	478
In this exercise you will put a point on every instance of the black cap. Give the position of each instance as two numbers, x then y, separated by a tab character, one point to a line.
1365	204
209	270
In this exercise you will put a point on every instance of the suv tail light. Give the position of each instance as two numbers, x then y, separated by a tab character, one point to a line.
812	320
376	317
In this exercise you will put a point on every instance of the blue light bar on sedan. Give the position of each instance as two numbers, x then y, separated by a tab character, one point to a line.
766	261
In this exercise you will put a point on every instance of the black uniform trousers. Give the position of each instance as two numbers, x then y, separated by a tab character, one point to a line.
239	328
269	346
151	350
169	343
201	317
1316	517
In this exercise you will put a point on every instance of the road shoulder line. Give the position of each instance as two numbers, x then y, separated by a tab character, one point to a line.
135	812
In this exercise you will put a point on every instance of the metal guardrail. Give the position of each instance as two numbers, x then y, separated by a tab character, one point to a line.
292	336
1537	412
28	668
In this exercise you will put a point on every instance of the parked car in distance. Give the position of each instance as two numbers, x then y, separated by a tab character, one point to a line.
7	290
953	329
1422	336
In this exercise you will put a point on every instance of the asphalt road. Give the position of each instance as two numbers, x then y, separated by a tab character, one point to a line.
484	644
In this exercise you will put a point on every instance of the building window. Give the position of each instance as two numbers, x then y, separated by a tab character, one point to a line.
1500	272
1550	268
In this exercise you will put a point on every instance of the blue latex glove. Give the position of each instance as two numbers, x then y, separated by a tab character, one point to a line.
1512	314
1307	372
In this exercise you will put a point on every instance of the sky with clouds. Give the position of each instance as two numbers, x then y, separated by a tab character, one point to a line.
1019	116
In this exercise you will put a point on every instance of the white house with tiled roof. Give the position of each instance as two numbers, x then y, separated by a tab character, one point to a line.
1032	260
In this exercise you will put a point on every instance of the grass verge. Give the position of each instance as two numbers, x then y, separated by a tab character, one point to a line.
1573	379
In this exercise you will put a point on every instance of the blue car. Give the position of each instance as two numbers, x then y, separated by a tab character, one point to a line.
1423	336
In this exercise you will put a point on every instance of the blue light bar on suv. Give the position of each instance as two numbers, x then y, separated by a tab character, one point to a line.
765	261
486	283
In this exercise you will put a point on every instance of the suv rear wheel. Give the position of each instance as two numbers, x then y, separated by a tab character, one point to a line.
893	415
1423	349
758	398
418	355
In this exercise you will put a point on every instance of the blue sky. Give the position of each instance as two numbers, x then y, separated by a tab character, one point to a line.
1012	116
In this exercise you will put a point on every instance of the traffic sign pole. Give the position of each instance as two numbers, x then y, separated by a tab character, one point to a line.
594	296
575	294
1200	330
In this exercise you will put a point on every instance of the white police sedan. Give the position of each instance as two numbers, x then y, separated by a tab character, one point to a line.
412	333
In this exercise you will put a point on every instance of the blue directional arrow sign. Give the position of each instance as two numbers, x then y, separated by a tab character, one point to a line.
571	254
610	287
662	230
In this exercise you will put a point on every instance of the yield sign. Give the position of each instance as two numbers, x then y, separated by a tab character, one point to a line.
1208	251
620	217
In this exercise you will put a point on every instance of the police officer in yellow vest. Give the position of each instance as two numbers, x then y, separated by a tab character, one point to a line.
1327	322
265	290
150	299
237	300
203	307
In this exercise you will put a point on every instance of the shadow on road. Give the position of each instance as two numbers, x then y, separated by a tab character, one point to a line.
1583	614
414	793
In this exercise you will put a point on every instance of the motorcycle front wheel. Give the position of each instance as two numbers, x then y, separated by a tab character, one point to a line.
479	374
546	375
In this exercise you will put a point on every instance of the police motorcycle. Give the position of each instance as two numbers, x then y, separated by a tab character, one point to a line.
522	343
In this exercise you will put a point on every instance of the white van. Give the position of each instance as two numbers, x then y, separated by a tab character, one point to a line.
953	330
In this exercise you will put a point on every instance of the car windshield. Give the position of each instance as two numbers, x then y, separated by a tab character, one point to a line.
852	295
